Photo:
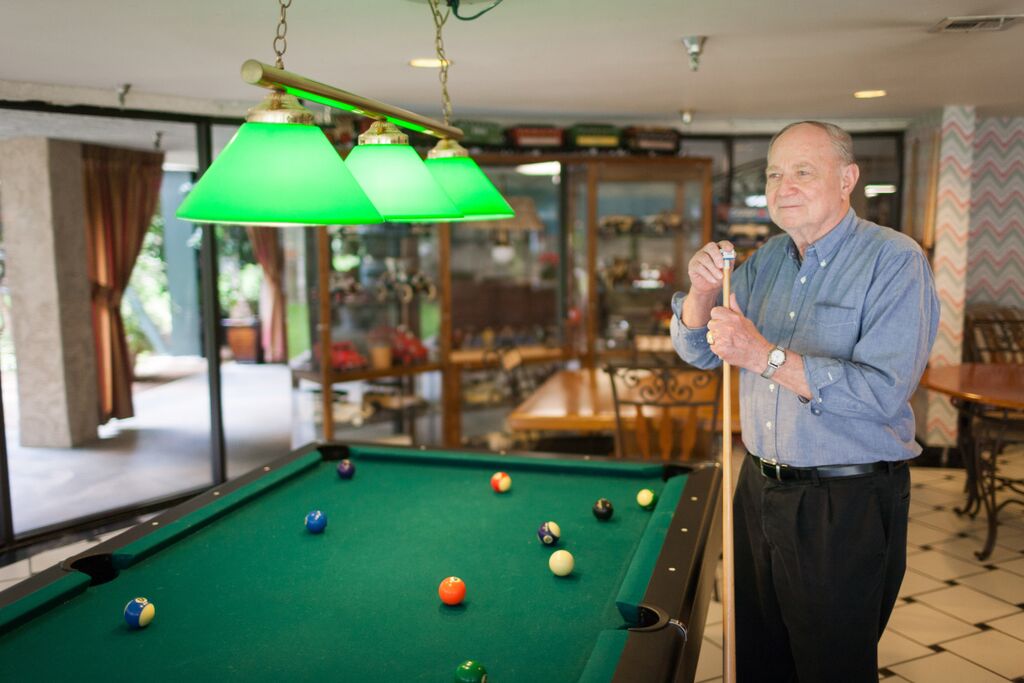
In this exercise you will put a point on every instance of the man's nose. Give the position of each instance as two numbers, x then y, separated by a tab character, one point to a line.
786	186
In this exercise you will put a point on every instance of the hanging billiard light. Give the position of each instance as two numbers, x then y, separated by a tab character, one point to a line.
473	193
278	169
395	179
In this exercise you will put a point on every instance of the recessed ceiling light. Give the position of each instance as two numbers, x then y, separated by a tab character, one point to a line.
868	94
427	63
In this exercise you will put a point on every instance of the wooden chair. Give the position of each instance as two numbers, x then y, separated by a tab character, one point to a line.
994	335
665	412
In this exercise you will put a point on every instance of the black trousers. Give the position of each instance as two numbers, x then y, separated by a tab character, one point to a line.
818	567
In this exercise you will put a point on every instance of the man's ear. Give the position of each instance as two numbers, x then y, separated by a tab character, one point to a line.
849	175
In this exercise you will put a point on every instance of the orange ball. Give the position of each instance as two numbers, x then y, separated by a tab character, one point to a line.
501	482
452	590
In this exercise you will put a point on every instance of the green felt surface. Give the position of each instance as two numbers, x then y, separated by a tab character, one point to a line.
252	595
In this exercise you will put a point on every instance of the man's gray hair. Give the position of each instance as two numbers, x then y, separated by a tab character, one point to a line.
841	140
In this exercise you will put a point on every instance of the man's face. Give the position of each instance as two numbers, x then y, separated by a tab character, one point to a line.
807	185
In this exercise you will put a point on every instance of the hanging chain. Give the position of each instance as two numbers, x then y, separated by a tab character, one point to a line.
280	42
439	19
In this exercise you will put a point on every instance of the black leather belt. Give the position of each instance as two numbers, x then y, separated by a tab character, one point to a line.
779	472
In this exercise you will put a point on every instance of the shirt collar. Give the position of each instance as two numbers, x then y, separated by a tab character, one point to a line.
827	244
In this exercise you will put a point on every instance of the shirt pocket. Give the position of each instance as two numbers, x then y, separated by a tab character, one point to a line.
834	330
832	315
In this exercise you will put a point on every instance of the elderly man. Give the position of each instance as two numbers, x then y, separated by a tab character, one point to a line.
831	324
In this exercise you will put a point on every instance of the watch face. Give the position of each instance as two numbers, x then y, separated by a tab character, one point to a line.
777	357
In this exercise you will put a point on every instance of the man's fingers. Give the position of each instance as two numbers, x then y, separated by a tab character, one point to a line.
734	304
722	313
715	253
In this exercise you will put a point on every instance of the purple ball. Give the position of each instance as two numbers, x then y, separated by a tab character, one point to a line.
549	533
346	470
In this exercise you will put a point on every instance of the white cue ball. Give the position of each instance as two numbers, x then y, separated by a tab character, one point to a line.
561	563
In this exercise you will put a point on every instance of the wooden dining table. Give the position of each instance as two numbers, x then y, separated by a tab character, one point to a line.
989	399
581	401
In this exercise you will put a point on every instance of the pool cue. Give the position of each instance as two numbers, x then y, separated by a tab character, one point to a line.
728	571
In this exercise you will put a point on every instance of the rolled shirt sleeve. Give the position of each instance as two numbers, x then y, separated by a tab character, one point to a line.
690	343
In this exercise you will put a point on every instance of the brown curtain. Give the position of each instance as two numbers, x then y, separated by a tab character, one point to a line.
267	247
122	187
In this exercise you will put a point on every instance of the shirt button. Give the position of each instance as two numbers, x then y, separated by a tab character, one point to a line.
768	424
816	411
771	387
824	263
803	279
792	314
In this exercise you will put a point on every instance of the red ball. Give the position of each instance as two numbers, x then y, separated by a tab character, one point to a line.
501	482
452	590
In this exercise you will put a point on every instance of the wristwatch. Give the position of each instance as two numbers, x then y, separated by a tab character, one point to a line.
776	357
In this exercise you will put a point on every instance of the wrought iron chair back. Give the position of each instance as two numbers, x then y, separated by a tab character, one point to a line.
995	336
665	412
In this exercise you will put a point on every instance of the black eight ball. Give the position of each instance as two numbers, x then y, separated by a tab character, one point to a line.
603	509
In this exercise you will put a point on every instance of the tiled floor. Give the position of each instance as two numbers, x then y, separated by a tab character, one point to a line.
957	620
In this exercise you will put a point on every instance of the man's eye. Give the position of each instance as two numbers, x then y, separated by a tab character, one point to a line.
774	176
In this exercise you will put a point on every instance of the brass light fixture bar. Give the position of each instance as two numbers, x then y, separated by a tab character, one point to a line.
273	78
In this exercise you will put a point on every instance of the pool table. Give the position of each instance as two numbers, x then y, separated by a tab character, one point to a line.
243	591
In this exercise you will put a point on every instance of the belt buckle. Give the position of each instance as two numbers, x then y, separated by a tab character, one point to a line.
776	465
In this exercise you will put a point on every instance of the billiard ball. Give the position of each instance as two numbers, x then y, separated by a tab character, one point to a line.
470	672
346	470
646	499
549	533
139	612
561	563
316	522
603	509
452	590
501	482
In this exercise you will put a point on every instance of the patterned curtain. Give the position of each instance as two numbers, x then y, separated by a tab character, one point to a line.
122	188
267	247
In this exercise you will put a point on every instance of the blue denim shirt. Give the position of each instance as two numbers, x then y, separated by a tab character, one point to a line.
861	309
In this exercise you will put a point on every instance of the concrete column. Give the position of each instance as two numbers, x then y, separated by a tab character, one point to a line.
43	206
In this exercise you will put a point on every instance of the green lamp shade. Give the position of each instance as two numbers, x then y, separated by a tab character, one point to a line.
399	185
278	174
472	192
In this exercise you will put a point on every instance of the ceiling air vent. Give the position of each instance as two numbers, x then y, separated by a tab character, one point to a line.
980	23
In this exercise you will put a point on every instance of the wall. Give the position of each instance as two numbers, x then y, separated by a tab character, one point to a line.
995	263
978	257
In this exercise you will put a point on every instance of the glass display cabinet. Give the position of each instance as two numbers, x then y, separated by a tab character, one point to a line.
635	223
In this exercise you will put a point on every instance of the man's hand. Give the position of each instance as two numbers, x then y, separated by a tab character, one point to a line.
705	269
736	340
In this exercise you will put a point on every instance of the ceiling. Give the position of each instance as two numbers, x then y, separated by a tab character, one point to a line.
531	60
